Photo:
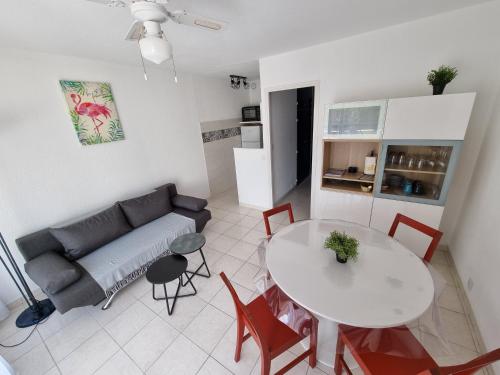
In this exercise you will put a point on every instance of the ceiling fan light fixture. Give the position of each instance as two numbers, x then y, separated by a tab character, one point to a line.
155	49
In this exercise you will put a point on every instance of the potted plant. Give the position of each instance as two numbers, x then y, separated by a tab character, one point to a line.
344	246
441	77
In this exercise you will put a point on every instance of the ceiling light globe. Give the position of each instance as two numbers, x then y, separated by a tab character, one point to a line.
155	49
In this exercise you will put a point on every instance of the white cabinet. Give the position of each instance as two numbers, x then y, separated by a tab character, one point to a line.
442	117
346	206
385	210
357	120
251	178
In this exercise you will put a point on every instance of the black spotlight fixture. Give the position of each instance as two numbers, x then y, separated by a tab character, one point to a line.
236	82
37	311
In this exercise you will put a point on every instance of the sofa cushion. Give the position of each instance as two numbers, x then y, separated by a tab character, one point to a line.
52	272
201	218
170	188
189	203
85	236
146	208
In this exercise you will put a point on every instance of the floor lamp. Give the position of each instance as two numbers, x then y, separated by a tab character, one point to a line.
37	311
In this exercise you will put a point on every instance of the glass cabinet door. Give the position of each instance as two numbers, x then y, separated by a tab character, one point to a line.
416	171
356	120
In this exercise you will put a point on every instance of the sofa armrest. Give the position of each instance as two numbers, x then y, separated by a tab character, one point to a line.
52	272
189	203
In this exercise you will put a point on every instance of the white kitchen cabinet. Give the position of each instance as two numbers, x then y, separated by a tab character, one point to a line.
353	207
385	210
442	117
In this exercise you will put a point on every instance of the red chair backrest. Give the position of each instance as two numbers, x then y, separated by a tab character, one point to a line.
468	368
242	313
274	211
431	232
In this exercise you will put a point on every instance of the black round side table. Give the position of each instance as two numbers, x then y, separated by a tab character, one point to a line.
187	244
165	270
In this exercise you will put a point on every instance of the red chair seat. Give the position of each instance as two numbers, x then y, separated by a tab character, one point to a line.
278	335
393	351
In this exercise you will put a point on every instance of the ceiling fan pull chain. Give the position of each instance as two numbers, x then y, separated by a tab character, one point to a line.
175	70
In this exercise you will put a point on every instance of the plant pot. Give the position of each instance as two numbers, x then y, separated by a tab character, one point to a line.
340	260
437	89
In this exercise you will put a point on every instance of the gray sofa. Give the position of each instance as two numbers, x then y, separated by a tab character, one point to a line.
83	263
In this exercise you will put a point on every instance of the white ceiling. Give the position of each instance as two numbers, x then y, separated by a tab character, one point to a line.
256	28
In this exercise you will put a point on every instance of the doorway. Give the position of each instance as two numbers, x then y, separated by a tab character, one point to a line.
291	126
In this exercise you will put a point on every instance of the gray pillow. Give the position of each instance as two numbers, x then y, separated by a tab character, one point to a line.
189	203
51	272
87	235
146	208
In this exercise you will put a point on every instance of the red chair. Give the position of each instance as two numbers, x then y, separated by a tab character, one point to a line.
271	335
395	351
276	210
431	232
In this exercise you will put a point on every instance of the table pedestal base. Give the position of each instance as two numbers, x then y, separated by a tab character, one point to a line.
327	345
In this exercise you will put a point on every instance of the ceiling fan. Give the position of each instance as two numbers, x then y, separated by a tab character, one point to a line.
146	28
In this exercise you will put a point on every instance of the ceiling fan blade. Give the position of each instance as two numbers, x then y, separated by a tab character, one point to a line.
185	18
135	31
111	3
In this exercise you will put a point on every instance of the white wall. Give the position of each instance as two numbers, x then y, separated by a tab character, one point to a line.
219	107
283	113
475	245
48	177
254	93
393	62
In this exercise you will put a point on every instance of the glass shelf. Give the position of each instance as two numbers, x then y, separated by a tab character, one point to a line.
416	171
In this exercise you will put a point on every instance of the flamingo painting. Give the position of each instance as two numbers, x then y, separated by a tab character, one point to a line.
92	110
92	101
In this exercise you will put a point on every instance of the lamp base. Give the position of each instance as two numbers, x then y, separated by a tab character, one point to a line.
30	317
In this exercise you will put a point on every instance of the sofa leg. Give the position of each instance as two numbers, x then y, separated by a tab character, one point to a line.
109	301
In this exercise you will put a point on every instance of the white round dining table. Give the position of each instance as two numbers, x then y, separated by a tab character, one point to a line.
387	286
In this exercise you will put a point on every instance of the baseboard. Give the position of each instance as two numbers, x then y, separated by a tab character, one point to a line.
469	312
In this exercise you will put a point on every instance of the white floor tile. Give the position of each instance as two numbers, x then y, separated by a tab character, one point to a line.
71	337
234	217
37	361
236	231
221	226
129	323
57	321
53	371
186	309
212	367
147	346
280	361
449	299
223	300
254	237
90	356
218	213
120	303
246	276
242	250
181	357
249	222
224	353
119	364
227	264
8	325
208	327
223	243
11	354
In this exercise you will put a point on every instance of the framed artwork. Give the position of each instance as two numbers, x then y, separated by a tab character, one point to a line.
93	112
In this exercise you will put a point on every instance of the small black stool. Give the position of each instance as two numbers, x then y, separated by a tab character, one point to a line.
187	244
165	270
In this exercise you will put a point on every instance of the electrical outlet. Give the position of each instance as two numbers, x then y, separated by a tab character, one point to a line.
470	284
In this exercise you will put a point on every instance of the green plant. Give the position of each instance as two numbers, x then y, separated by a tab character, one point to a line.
345	246
442	76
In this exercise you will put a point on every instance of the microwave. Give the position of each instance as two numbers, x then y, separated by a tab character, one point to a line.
250	113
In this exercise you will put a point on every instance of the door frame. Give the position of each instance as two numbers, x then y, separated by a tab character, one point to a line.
266	129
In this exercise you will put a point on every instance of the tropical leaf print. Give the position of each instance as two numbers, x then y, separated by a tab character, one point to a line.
74	86
115	131
106	93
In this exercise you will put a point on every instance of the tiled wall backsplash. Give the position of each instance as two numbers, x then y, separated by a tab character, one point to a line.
219	139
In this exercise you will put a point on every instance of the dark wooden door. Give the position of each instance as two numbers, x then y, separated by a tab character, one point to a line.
305	116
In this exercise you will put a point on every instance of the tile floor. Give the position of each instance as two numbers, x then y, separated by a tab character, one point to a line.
137	336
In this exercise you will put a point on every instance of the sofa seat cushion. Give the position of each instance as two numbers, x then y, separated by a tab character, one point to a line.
189	203
128	254
83	237
52	272
141	210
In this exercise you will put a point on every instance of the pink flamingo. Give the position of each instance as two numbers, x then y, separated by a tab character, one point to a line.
92	110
